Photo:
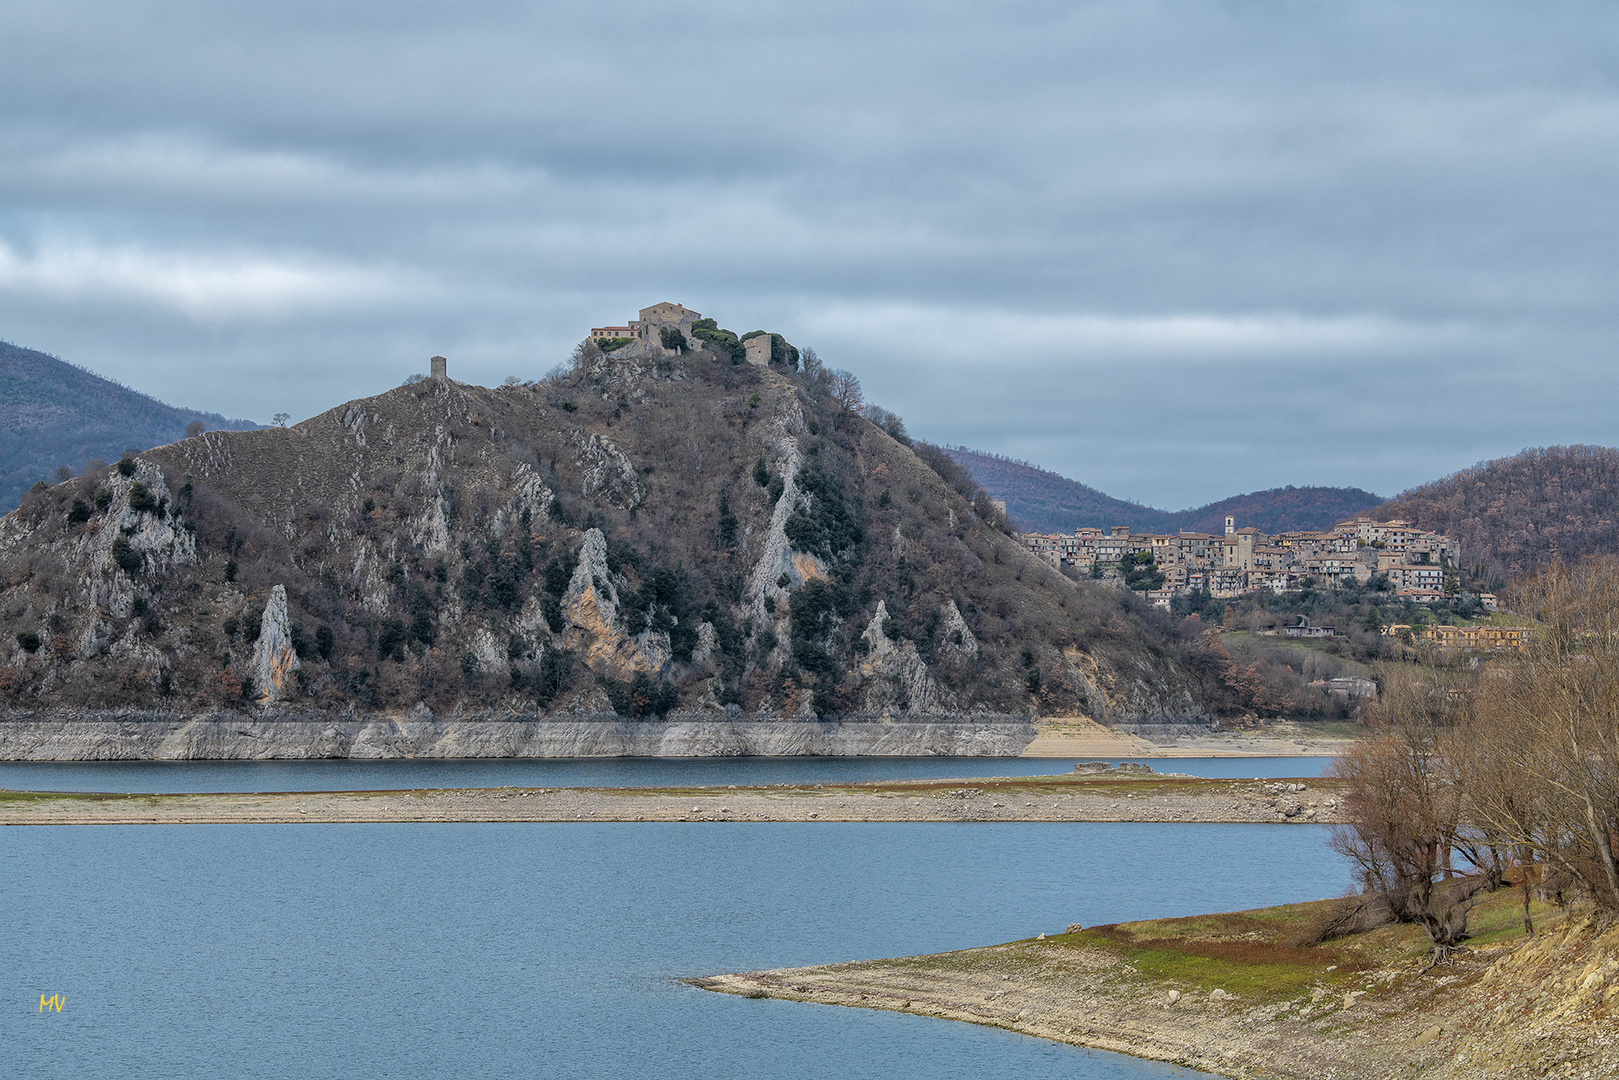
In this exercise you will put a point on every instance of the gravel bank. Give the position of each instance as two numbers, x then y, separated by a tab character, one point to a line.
1108	797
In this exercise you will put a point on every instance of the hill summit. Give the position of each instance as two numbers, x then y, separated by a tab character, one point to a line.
673	527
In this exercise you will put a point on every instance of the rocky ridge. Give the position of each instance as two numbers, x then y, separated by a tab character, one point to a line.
659	538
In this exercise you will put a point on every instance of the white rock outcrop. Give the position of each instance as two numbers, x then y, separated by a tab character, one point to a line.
897	679
956	640
776	556
594	625
152	534
274	660
607	471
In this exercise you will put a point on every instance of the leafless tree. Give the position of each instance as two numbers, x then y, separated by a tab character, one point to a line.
1542	753
1405	810
846	391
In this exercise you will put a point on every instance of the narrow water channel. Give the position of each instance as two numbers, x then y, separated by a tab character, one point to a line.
359	775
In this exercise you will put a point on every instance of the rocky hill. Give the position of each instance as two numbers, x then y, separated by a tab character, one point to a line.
1042	501
53	414
1516	513
655	532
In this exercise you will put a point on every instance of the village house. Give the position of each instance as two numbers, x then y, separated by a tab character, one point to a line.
1419	565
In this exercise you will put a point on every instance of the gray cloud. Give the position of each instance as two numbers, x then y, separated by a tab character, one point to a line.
1175	250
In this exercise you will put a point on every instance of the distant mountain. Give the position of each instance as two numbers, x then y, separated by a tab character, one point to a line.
1518	512
1042	501
53	414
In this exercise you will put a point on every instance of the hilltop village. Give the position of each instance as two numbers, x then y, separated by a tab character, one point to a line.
1420	566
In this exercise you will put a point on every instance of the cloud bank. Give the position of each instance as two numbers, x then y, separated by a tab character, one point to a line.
1175	250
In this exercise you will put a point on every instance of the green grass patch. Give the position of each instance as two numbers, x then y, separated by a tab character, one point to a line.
1118	786
7	796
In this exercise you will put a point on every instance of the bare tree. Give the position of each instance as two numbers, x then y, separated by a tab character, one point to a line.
195	428
1542	753
846	391
1404	811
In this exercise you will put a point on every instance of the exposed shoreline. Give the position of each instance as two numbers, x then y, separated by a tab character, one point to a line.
1114	797
1510	1008
287	735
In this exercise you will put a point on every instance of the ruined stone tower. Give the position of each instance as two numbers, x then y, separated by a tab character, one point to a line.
437	365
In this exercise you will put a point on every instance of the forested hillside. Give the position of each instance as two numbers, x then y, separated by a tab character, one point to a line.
55	415
1517	513
1042	501
642	535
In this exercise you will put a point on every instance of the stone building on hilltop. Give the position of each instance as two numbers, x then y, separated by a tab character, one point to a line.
647	330
667	329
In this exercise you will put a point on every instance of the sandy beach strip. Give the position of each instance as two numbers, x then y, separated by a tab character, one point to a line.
1080	737
1055	798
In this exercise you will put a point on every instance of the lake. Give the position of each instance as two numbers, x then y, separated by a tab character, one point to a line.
528	950
346	774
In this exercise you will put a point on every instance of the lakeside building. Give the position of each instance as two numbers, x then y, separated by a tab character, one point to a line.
1419	564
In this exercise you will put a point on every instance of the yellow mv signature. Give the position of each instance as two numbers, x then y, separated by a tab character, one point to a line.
50	1004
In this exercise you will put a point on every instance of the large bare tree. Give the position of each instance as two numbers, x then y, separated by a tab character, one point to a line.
1541	756
1405	828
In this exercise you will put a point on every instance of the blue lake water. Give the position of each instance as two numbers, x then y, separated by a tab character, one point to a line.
553	950
355	775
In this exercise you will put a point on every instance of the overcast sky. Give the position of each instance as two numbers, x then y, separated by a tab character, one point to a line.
1174	250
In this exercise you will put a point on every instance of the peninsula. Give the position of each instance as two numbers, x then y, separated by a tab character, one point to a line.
1243	995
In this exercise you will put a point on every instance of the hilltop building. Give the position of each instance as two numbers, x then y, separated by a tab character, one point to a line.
653	319
667	329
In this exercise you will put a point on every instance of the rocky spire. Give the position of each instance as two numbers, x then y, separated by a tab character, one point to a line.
274	660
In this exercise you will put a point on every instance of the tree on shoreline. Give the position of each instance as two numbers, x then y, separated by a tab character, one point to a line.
1514	760
1405	812
1540	756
